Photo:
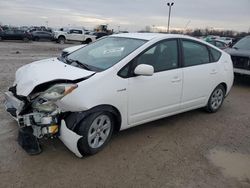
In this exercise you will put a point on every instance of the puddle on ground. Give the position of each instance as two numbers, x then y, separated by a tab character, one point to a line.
232	164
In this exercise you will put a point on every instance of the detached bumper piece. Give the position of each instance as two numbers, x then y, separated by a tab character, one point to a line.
28	141
70	139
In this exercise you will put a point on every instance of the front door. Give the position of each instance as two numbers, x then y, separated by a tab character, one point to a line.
156	96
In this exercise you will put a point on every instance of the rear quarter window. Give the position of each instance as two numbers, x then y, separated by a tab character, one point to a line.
215	54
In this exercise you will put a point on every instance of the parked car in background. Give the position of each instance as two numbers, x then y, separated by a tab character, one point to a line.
227	40
100	34
41	35
73	35
220	44
210	38
240	54
15	35
116	83
40	28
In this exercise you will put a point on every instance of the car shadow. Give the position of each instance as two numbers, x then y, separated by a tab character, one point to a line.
241	80
167	123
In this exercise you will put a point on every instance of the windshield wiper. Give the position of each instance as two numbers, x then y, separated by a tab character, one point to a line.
236	48
80	64
85	66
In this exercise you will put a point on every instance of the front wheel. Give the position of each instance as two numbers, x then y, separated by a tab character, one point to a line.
216	99
96	130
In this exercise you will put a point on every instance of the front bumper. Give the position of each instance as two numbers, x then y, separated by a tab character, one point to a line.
70	139
12	104
40	125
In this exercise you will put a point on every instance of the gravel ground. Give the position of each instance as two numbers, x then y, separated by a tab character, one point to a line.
193	149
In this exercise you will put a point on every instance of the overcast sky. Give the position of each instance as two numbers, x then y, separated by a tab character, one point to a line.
130	15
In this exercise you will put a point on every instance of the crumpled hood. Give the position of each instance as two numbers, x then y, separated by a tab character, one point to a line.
36	73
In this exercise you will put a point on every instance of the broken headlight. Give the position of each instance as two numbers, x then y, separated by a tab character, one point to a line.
45	102
58	91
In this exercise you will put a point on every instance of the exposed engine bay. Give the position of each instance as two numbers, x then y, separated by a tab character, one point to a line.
38	114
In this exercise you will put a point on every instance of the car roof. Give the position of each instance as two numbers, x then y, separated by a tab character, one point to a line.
150	36
160	36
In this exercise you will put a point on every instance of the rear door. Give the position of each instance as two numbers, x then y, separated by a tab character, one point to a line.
200	74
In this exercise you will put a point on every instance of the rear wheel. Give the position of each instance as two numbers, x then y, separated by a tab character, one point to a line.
96	130
61	40
88	41
216	99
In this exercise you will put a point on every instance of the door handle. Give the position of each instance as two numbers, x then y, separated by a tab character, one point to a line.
214	71
176	79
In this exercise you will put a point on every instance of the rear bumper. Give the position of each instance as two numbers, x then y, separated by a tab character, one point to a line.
242	71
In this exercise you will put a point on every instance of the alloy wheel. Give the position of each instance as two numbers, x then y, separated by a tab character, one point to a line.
217	98
99	131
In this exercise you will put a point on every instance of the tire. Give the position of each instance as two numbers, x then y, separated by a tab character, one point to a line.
95	135
36	39
216	99
25	39
88	41
61	40
1	39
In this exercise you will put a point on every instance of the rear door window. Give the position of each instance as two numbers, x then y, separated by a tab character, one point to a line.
194	53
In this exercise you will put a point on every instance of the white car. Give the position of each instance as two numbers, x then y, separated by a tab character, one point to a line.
73	35
116	83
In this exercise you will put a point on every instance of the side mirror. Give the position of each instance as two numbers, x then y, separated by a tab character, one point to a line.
144	70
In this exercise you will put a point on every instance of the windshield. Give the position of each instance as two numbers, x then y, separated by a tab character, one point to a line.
243	44
106	52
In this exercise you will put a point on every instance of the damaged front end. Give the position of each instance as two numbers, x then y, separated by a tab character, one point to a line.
39	116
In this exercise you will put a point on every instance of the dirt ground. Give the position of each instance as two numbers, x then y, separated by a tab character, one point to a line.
193	149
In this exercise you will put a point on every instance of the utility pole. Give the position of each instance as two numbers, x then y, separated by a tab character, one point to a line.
169	13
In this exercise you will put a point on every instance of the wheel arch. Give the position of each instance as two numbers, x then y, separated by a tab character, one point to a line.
224	85
88	40
61	36
73	119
